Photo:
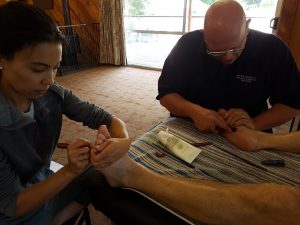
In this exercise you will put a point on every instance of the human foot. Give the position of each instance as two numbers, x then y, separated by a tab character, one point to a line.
245	138
120	173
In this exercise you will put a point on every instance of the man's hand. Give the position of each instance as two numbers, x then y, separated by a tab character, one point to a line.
237	117
111	151
210	121
78	156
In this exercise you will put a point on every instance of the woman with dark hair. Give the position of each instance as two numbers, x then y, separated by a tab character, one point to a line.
31	107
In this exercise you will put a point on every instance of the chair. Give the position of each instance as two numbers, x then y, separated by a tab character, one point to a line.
295	124
82	217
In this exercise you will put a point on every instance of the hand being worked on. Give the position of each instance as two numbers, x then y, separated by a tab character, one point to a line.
111	151
210	121
78	156
237	117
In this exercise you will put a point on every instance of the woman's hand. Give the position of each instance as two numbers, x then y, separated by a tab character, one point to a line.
78	156
111	151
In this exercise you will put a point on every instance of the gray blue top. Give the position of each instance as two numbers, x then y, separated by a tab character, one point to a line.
27	145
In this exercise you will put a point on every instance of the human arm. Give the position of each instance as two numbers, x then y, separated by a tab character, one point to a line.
211	202
275	116
204	119
38	194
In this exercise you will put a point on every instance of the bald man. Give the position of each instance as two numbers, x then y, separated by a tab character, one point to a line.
227	65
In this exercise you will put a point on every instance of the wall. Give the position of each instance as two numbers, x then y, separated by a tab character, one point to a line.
86	11
289	26
81	11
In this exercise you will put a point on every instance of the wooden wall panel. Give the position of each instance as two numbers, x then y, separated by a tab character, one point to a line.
57	12
85	11
295	37
289	26
81	11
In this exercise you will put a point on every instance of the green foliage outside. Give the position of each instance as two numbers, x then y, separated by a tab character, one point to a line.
136	7
247	2
252	2
209	2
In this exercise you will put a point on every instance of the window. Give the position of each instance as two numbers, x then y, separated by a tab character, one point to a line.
152	27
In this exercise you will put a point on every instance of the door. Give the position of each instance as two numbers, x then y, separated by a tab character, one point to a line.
289	26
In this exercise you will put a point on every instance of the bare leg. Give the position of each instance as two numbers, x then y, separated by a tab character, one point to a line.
247	139
123	172
253	140
211	202
67	213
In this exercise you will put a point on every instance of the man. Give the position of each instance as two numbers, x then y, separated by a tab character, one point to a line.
229	66
212	202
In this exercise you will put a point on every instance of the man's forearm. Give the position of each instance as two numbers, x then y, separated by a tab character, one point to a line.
179	106
275	116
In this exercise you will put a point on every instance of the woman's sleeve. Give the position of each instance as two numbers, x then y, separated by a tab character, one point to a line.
10	187
82	111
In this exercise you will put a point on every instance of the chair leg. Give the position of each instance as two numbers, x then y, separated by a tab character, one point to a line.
85	217
72	221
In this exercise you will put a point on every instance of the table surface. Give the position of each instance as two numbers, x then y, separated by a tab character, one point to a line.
219	161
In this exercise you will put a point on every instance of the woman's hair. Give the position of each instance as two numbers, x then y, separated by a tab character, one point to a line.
23	26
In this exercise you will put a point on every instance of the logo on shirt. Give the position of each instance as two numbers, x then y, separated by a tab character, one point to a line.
245	79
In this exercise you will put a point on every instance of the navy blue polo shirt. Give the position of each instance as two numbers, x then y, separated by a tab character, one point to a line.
265	69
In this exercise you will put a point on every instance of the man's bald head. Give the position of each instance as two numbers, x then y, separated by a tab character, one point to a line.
224	19
225	26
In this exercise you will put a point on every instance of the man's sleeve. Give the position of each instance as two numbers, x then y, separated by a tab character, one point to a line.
10	186
285	85
174	69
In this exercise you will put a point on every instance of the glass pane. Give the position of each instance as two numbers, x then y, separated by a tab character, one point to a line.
260	12
154	15
147	23
154	7
151	23
149	50
152	27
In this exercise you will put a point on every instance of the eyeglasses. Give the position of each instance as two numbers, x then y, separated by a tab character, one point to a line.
235	51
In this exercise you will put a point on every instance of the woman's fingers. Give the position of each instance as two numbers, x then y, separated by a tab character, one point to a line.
78	156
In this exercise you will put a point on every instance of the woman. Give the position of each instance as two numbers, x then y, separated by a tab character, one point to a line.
31	106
